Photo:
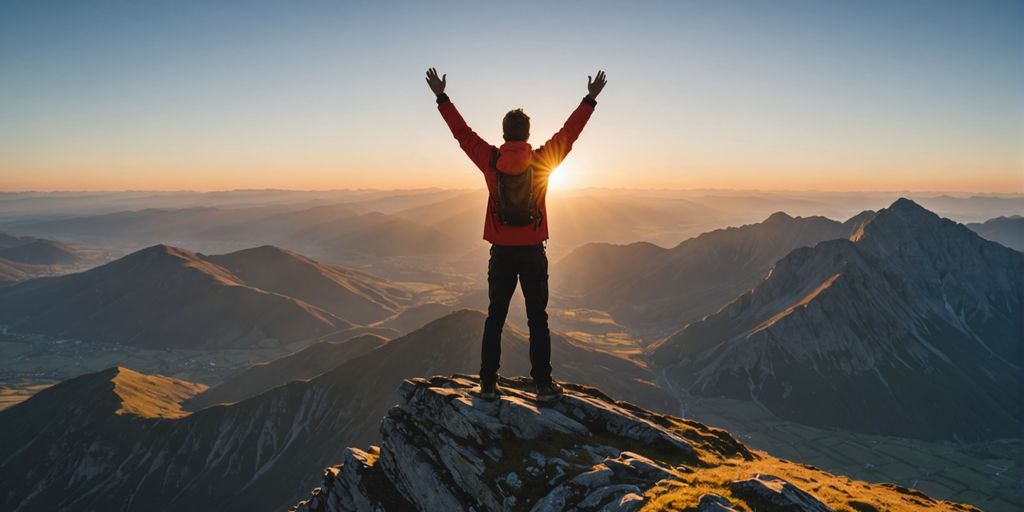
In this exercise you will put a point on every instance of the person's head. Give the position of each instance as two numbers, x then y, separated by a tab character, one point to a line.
516	125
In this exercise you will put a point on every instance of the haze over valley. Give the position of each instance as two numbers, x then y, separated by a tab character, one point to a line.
767	314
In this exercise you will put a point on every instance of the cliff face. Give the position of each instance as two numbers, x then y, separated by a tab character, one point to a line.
445	449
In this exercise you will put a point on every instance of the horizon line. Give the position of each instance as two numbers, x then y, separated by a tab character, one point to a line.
470	189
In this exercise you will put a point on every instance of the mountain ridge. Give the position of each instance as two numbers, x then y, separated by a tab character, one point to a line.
912	304
658	290
1006	230
262	452
161	296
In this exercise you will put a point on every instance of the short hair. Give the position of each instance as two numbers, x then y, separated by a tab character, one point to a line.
516	125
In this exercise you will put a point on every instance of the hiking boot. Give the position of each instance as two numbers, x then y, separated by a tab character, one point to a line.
548	393
489	390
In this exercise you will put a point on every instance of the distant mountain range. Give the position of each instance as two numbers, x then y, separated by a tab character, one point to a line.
648	287
262	453
326	229
1008	231
911	327
168	297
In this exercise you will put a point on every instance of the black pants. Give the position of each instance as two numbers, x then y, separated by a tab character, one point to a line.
528	264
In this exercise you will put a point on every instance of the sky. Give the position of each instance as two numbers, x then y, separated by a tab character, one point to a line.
780	95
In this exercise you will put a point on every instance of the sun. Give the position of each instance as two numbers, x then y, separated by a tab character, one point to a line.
560	177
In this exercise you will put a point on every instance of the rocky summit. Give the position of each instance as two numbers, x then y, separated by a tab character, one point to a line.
444	448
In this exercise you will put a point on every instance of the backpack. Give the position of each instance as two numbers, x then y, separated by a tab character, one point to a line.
516	203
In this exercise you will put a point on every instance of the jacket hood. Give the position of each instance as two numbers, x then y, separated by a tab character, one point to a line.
515	157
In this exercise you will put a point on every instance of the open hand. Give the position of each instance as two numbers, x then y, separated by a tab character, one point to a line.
594	86
436	84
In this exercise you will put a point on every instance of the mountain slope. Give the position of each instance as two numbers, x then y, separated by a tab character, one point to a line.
354	296
39	251
11	272
258	454
304	364
445	449
912	327
1008	231
414	317
161	297
646	286
152	396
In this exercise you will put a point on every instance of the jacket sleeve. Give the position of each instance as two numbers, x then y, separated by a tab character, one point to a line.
478	150
558	146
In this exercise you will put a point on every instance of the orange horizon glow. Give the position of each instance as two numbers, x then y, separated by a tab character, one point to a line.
952	185
811	96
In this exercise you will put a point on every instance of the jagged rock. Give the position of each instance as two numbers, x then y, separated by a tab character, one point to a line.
771	493
714	503
446	449
353	485
443	448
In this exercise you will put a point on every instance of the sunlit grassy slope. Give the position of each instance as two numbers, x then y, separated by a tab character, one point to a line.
152	396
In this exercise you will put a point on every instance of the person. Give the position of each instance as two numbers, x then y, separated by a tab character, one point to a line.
517	228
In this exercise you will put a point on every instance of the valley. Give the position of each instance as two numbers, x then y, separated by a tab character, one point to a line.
985	474
270	326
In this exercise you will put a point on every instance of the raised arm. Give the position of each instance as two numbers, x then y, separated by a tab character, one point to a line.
478	150
558	146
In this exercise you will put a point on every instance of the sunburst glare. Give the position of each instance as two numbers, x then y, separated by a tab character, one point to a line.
560	177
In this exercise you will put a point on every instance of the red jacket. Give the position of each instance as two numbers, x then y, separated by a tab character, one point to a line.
514	158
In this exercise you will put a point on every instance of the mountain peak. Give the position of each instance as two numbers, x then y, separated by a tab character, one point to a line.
779	216
905	205
902	219
265	250
446	449
160	250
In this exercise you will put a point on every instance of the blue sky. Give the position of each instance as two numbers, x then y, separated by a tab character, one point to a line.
918	95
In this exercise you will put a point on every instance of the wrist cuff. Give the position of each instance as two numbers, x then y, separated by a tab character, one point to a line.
589	101
442	98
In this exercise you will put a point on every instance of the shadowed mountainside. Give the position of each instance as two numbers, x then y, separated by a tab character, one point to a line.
37	251
260	453
911	328
163	296
348	294
26	257
303	364
11	272
1008	231
414	317
646	286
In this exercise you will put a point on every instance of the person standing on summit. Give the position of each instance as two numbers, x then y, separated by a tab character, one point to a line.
516	225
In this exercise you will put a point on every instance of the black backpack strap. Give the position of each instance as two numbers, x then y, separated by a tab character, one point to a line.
499	202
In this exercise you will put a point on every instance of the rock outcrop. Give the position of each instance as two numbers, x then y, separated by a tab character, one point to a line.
446	449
